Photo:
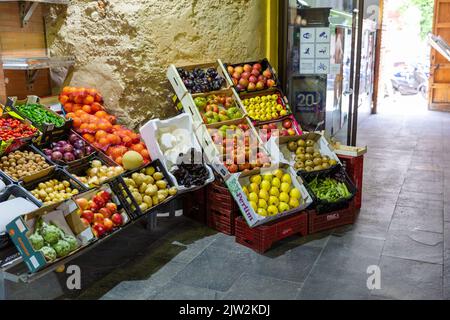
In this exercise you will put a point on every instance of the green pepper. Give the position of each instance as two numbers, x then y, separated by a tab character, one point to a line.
329	190
40	115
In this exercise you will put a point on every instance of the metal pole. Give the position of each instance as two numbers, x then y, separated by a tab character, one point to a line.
358	71
352	75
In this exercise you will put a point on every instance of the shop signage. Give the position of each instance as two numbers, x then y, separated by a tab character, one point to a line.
315	51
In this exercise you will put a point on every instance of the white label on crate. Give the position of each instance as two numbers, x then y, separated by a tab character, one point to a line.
20	225
332	217
34	262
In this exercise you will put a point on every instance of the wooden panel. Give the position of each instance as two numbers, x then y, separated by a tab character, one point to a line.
16	84
21	42
439	97
2	85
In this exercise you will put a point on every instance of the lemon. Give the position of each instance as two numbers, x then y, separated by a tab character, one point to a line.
262	212
268	177
253	187
295	193
274	97
263	194
276	182
262	204
265	185
273	201
294	203
283	207
284	197
279	107
278	173
286	178
283	113
285	187
256	179
253	197
272	210
254	205
274	192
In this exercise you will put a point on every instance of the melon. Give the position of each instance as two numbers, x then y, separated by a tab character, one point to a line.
132	160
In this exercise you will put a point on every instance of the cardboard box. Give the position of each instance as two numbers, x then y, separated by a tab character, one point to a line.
64	215
235	185
150	133
177	83
279	151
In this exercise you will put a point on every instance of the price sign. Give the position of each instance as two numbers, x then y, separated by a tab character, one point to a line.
308	101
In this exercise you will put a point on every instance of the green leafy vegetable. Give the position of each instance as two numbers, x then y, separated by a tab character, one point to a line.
329	189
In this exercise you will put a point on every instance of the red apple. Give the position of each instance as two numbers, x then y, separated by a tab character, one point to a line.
230	69
253	79
93	206
284	133
99	201
256	73
257	66
248	68
88	215
236	75
85	222
99	230
292	132
105	195
245	75
251	86
243	82
105	212
267	73
271	83
287	124
239	69
117	219
111	207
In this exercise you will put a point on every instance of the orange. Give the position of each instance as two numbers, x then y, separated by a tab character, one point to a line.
98	98
96	107
76	107
78	99
88	100
67	90
92	92
118	160
145	154
86	108
111	138
84	126
112	119
137	147
76	122
63	99
103	142
70	115
80	113
68	107
100	134
101	114
92	127
126	140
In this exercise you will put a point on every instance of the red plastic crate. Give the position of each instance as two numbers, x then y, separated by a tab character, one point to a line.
262	238
194	205
322	222
221	210
355	170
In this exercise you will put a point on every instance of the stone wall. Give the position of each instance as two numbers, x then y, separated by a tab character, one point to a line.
123	48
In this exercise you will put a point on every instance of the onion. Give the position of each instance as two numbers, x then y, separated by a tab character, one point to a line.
56	155
89	150
69	157
73	138
58	149
78	153
68	148
61	143
48	152
79	145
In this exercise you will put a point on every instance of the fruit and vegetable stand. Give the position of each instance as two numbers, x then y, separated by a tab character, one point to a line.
82	177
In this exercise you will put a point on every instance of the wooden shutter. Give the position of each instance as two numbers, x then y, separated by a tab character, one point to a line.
439	95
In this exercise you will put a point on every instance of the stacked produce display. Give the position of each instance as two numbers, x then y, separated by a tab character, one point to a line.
106	176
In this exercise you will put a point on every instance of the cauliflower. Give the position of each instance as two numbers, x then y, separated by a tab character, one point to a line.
49	253
72	241
37	241
51	233
62	248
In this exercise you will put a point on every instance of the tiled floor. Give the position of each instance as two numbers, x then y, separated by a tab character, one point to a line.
400	229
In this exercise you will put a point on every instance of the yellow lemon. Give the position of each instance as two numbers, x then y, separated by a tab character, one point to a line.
294	203
254	205
276	182
283	207
274	192
262	212
273	201
256	179
263	194
265	185
268	177
278	173
286	178
295	193
285	187
284	197
253	187
262	204
272	210
283	113
253	197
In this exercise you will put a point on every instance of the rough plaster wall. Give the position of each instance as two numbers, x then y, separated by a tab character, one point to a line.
124	47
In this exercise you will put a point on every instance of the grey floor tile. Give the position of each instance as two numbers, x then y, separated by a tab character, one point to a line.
414	245
257	287
177	291
407	280
409	218
424	175
424	186
215	268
